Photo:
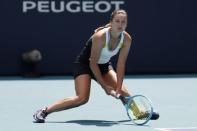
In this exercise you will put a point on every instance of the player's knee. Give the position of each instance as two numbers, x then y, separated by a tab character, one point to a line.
82	100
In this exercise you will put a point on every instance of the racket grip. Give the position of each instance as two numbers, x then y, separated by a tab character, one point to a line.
123	100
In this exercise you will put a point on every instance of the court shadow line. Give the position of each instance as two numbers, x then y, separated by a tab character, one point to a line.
95	122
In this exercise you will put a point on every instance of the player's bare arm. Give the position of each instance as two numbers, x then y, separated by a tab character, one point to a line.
122	60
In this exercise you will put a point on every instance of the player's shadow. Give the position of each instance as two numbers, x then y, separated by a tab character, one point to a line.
96	122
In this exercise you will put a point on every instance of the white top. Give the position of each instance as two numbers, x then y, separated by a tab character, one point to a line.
106	54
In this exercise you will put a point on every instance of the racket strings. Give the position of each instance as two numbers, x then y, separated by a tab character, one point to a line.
139	110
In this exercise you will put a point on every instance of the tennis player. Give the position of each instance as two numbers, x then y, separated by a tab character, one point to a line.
94	62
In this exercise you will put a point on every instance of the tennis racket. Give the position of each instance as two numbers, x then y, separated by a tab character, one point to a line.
139	108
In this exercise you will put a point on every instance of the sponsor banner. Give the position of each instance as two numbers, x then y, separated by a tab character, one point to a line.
73	6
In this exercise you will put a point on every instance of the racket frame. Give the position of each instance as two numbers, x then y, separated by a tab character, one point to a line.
127	100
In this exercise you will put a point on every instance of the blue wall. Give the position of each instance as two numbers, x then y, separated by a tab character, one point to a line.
164	33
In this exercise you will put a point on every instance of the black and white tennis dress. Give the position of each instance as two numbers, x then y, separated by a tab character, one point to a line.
81	64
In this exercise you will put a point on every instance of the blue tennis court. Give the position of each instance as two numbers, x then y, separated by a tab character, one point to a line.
173	96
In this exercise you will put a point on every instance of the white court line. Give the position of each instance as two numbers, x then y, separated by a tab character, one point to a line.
171	129
161	129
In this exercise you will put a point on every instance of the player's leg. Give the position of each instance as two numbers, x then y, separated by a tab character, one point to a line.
82	87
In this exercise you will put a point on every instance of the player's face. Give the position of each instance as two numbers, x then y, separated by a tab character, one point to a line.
119	22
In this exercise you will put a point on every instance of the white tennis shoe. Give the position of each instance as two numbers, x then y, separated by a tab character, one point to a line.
40	115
